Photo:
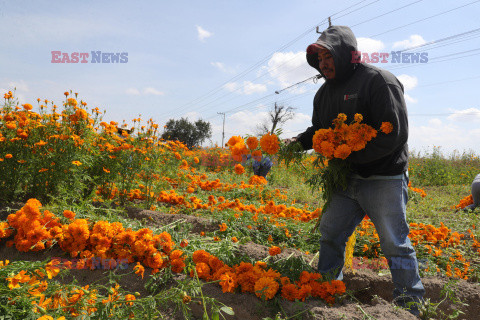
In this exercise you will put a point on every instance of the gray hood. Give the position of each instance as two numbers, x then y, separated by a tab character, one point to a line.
340	41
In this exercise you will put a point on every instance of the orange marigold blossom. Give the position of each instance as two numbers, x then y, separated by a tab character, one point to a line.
274	250
252	143
239	169
139	269
266	288
386	127
270	143
69	214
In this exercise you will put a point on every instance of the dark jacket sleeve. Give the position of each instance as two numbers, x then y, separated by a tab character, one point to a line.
385	104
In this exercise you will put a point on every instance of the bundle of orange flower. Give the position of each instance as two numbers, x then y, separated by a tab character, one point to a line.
341	140
36	230
468	200
264	283
269	143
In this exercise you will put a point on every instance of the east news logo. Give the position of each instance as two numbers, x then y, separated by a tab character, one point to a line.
96	57
396	57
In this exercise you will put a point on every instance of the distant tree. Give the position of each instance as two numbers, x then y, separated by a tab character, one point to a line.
276	118
191	134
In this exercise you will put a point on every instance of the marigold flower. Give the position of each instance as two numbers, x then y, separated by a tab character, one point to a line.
386	127
8	156
68	214
223	227
358	117
139	269
234	239
290	292
239	169
342	151
228	282
266	288
269	143
77	163
274	250
196	160
27	106
257	155
252	143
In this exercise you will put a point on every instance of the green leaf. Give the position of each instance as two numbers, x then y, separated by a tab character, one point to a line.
227	310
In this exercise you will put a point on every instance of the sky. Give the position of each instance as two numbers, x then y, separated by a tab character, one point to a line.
200	59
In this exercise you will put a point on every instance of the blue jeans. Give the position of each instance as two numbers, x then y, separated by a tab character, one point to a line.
384	201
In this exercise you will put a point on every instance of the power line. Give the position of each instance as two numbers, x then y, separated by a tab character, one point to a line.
417	21
379	16
215	90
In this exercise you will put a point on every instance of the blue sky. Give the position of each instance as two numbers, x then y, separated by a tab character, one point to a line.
189	59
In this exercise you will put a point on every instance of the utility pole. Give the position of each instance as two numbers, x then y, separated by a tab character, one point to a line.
223	129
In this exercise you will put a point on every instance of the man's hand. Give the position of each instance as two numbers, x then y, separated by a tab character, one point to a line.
290	140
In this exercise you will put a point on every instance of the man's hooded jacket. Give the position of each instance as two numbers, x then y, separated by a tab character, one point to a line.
360	88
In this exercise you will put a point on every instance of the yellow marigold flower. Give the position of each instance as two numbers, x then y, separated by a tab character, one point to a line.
358	117
77	163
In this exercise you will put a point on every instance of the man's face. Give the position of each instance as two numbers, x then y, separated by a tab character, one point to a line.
326	64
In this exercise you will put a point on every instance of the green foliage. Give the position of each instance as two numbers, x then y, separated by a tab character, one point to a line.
437	169
191	134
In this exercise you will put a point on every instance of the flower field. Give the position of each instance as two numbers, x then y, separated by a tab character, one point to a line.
104	220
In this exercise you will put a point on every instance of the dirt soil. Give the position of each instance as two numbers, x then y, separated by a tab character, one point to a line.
371	294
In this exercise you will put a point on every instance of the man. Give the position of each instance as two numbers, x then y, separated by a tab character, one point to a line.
378	184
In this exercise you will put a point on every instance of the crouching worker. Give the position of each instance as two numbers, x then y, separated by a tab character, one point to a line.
260	166
475	194
378	183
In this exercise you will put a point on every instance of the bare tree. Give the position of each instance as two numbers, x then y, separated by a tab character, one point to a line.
276	118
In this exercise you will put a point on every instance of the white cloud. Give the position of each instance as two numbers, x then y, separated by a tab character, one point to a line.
132	91
413	41
247	87
409	82
203	34
288	68
150	90
449	137
469	115
435	122
369	45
